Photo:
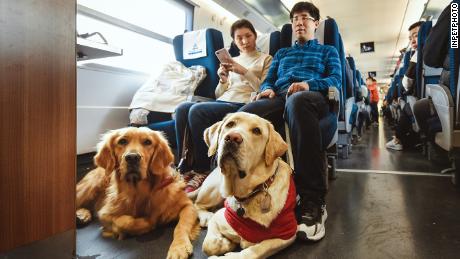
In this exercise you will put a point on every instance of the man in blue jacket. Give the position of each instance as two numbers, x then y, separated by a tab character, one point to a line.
303	73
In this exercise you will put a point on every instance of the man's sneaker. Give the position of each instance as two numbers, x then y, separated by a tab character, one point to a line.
310	221
393	144
194	184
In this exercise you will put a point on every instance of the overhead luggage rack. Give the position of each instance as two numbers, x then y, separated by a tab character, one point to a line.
87	49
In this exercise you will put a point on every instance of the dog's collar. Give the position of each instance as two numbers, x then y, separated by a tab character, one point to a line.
261	187
166	181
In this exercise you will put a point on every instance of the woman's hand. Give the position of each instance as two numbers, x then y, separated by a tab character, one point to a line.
235	67
223	74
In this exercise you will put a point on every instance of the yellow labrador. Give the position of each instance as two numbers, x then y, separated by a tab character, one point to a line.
258	187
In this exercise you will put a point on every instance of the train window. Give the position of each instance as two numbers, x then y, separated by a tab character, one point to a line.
140	53
167	18
144	30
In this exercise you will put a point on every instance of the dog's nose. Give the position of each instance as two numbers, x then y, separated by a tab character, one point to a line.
132	158
234	137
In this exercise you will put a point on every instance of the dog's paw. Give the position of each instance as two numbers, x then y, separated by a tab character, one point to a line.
229	255
123	223
218	245
180	249
111	234
205	217
233	255
83	217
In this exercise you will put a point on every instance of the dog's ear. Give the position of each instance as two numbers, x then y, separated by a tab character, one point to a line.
276	146
105	156
162	156
211	137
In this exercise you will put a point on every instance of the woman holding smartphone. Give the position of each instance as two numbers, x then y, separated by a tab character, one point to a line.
239	78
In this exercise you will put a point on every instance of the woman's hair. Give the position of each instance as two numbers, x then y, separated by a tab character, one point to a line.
305	7
242	23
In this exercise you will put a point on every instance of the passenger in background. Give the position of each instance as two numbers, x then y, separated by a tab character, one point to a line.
435	54
374	99
303	72
405	136
237	81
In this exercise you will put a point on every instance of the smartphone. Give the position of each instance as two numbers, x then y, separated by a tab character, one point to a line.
223	56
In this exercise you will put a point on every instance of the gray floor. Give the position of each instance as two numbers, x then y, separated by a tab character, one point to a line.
370	154
370	215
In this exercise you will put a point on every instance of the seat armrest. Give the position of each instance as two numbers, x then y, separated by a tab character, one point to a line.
444	105
440	95
333	96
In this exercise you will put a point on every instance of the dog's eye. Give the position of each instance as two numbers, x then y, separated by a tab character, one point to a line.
147	142
230	124
256	131
123	141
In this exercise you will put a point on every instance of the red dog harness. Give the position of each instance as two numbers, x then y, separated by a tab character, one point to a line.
284	226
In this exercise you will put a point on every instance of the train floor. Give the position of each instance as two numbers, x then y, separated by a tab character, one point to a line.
383	204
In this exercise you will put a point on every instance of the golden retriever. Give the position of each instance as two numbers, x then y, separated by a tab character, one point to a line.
134	189
258	187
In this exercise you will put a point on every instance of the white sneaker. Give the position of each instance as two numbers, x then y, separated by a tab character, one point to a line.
312	229
393	145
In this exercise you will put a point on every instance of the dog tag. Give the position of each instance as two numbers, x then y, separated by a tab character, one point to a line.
240	211
266	203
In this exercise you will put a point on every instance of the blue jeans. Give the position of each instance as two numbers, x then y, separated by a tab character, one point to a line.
374	112
302	112
198	117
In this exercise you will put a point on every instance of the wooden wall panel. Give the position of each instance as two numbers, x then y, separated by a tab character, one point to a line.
38	120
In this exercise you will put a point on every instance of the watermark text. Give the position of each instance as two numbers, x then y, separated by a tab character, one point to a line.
454	25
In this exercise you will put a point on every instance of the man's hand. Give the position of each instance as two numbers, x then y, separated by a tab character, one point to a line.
297	87
268	93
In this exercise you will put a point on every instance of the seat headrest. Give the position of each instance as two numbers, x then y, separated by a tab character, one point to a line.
194	44
214	41
267	43
319	33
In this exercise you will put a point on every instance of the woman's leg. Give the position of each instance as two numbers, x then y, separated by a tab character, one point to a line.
202	116
181	121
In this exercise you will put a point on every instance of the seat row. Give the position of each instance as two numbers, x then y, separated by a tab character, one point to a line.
335	128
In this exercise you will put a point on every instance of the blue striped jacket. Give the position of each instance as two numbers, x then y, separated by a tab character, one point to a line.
318	65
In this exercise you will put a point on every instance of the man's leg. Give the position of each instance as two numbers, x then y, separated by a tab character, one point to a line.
424	111
374	113
269	109
303	112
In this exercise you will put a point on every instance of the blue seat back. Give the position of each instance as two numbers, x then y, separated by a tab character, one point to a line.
356	82
401	72
421	81
349	76
214	41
